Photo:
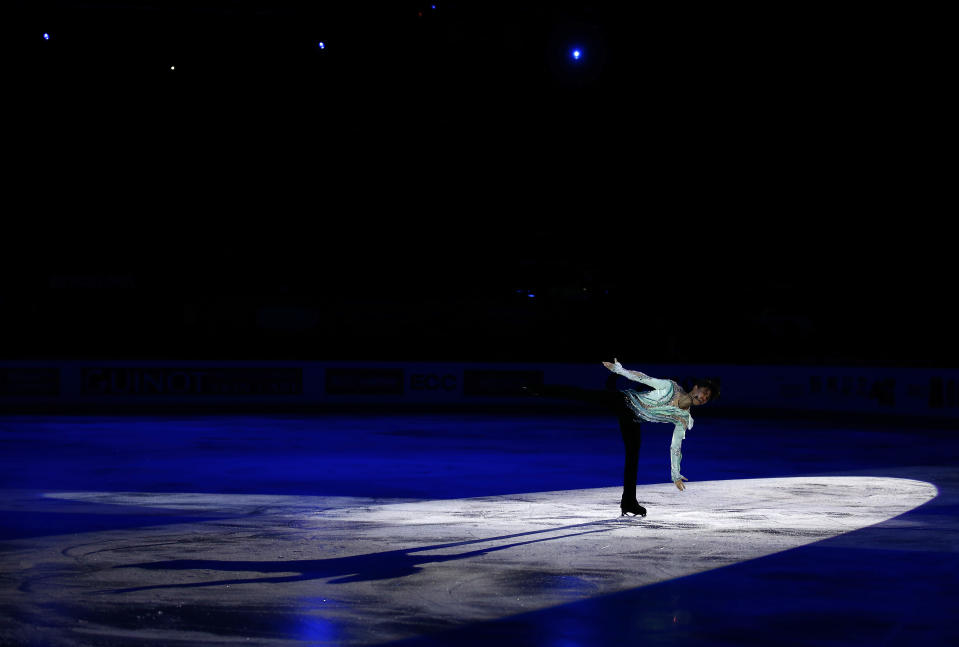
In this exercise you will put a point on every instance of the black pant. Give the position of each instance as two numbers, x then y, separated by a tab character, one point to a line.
613	401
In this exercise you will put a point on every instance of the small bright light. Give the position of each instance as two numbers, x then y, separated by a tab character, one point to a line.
434	6
46	36
577	54
322	45
172	67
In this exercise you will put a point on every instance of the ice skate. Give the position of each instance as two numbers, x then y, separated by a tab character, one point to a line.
633	508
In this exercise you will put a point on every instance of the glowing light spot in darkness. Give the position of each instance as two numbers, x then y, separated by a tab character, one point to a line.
322	45
46	36
577	54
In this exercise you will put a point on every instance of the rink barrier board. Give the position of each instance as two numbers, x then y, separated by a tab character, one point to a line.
903	391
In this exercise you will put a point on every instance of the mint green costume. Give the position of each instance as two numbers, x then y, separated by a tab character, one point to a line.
659	405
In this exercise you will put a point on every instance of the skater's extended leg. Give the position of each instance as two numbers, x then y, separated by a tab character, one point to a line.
609	399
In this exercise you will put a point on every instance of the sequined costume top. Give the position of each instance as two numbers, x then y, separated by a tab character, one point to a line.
659	405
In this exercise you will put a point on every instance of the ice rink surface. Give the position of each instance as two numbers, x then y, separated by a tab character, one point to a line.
472	529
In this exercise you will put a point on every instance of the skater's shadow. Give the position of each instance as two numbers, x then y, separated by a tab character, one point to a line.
356	568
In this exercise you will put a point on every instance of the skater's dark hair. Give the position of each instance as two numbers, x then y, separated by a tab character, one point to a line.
711	383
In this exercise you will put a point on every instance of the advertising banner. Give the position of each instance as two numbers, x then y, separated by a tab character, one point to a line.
871	390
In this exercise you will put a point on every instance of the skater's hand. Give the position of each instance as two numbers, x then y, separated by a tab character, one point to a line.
679	483
615	367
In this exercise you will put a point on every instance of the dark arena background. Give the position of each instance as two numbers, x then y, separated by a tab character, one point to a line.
279	282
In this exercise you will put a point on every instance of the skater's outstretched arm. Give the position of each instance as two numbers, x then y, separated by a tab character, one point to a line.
676	455
636	376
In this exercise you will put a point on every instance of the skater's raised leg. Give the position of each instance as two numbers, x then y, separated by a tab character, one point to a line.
609	399
614	401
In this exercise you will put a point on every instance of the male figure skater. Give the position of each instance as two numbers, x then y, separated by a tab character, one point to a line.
667	402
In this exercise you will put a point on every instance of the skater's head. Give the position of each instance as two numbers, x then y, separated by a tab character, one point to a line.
704	390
